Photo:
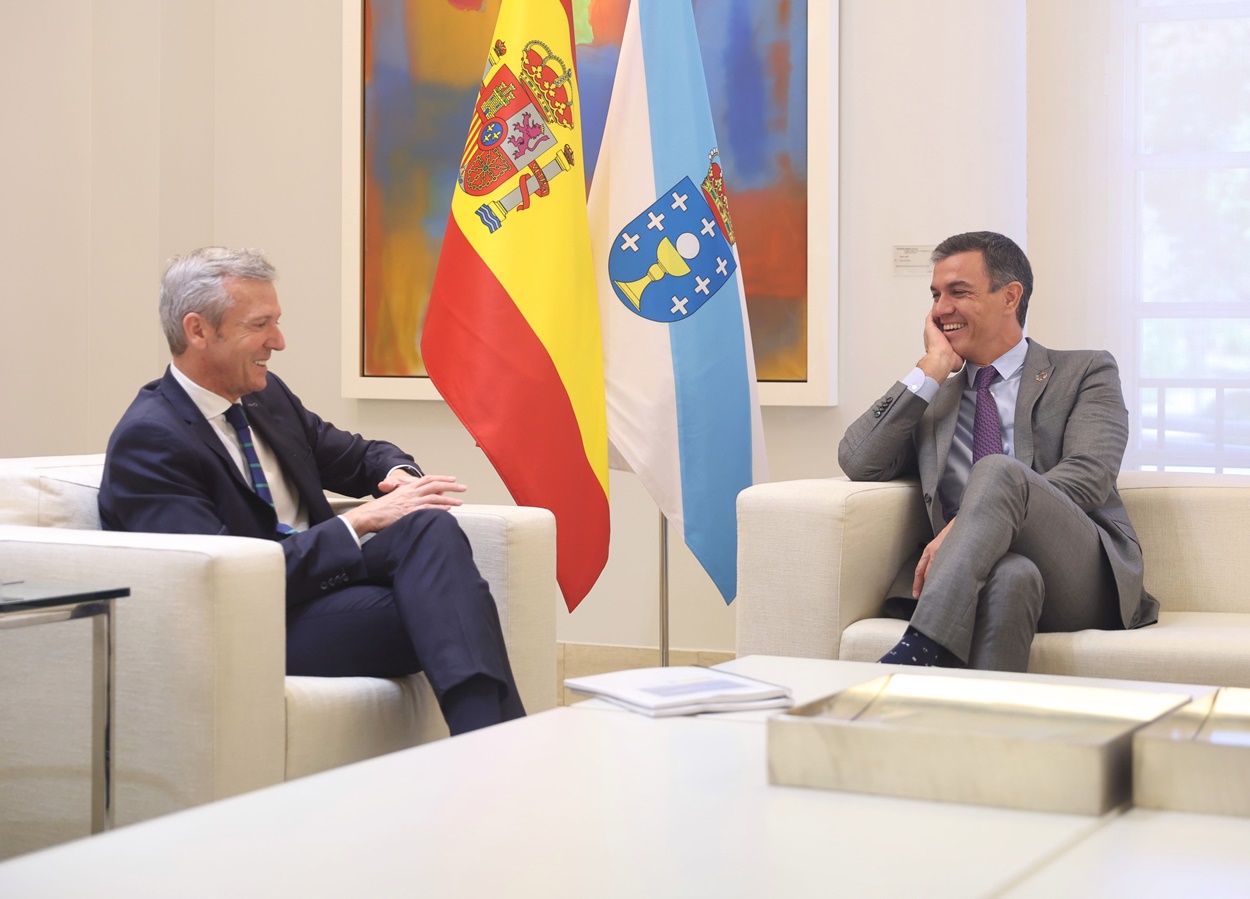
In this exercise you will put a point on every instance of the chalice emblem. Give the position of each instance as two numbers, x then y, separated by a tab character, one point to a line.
672	258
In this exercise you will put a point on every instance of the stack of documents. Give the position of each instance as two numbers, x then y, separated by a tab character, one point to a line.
681	690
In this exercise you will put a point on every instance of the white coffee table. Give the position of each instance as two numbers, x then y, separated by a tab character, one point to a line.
1145	853
581	801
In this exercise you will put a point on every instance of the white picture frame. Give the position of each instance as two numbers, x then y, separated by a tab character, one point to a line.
820	388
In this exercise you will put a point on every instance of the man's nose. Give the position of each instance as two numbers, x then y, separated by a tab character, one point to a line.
942	305
277	341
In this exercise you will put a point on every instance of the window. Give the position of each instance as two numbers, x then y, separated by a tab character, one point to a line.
1185	166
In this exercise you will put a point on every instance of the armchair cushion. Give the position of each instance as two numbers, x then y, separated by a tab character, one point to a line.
331	719
51	491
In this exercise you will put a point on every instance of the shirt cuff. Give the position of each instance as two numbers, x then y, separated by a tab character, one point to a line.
351	530
413	470
921	384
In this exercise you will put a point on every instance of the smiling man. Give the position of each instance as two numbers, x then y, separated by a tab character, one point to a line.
220	445
1017	449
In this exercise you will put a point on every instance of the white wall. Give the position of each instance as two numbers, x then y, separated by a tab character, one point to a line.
45	183
145	128
1073	115
105	169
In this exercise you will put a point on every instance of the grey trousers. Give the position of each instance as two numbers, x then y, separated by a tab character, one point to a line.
1020	558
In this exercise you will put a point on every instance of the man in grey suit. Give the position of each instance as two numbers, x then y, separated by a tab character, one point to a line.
1017	457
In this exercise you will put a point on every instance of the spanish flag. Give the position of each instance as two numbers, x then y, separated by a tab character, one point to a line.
511	339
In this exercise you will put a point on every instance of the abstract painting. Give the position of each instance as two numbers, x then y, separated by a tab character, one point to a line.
422	62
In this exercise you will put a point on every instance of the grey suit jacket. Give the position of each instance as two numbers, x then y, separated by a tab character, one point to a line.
1071	427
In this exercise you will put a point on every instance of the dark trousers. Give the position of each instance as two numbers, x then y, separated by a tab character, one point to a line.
423	607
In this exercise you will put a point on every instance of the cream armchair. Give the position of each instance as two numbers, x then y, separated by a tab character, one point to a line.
203	708
816	557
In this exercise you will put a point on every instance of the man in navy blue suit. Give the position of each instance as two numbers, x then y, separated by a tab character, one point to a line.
386	589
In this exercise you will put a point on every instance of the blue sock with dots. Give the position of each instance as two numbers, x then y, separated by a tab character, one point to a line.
917	649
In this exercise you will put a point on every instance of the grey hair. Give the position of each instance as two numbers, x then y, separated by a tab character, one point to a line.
1004	261
196	283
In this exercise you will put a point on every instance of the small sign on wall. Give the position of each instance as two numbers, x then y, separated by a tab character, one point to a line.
912	259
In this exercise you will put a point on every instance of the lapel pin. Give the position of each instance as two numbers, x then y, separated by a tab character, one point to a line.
1041	376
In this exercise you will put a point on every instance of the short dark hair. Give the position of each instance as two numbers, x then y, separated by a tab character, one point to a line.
1004	260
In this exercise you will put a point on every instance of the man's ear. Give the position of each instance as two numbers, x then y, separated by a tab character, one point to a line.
1011	296
195	329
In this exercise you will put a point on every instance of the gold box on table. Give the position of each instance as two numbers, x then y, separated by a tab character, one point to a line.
1198	758
1015	744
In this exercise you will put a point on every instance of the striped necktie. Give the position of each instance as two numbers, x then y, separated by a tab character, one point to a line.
238	420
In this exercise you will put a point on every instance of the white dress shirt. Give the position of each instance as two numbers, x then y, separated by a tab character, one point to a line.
286	500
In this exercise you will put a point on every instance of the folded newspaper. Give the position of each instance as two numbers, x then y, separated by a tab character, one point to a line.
681	690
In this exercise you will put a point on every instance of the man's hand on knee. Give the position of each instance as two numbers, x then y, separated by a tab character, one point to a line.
926	560
404	494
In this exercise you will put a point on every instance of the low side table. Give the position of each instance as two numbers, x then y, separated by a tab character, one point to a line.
27	603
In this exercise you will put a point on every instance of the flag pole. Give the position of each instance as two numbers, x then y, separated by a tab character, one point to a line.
663	591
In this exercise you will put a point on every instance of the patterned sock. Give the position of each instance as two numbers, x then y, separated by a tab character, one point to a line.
917	649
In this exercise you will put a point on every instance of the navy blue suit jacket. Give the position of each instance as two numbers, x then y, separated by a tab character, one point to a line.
166	471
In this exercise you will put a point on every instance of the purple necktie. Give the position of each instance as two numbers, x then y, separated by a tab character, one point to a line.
987	432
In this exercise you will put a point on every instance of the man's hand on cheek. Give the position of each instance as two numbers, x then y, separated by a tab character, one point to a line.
940	358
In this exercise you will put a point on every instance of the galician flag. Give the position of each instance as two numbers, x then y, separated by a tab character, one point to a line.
511	339
683	407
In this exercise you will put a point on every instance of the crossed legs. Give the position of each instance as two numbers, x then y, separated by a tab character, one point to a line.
425	608
1020	558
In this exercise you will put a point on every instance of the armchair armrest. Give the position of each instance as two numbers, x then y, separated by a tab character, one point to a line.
815	556
200	656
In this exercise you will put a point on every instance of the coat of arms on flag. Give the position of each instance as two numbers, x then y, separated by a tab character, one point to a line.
675	255
511	140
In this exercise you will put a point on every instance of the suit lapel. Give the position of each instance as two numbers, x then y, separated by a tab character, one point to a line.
945	415
285	438
191	414
935	447
1034	377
